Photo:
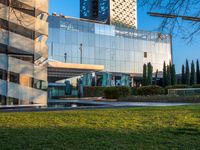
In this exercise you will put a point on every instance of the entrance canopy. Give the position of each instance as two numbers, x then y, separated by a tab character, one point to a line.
59	70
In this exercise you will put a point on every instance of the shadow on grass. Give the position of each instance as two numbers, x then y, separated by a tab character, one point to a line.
93	139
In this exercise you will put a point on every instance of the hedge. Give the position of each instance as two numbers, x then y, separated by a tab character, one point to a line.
196	86
94	91
133	90
117	92
121	91
150	90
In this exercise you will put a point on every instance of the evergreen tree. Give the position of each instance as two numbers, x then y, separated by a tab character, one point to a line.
173	75
187	74
144	81
164	75
156	77
192	75
170	67
183	75
168	75
198	72
150	73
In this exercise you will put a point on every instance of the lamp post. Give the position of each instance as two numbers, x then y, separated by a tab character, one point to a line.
81	51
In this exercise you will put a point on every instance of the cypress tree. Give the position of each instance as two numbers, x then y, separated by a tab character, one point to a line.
187	74
198	72
150	73
192	75
170	67
183	75
164	74
156	77
144	81
168	75
173	75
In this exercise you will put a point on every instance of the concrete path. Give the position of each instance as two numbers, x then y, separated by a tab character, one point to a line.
124	104
91	105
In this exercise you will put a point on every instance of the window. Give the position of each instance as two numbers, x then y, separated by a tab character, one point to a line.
14	77
2	100
41	16
2	74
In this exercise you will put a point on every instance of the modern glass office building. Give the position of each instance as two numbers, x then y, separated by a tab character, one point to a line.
119	50
23	52
115	12
95	10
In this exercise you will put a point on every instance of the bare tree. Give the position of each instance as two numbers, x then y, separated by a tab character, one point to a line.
17	9
186	29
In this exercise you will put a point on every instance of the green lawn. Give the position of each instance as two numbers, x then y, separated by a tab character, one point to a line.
128	129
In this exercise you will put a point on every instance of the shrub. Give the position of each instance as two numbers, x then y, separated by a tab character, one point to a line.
111	93
134	91
150	90
93	91
116	92
196	86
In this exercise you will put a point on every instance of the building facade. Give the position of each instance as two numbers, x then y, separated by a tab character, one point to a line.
118	49
116	12
95	10
23	52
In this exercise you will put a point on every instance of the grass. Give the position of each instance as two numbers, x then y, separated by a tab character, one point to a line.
133	128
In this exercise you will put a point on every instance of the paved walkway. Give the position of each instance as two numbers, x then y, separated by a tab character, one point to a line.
124	104
90	105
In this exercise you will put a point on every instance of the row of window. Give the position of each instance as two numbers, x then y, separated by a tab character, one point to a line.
23	80
70	24
13	101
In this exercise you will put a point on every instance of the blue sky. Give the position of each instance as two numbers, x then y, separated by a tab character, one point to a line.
181	50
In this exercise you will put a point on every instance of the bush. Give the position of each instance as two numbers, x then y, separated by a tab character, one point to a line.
150	90
134	91
116	92
93	91
196	86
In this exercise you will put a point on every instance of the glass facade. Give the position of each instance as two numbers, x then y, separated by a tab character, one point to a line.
85	9
23	52
120	50
104	10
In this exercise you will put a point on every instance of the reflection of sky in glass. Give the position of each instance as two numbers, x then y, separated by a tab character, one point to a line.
84	8
103	10
118	49
104	29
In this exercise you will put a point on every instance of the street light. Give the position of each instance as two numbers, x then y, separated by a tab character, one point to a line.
81	51
188	18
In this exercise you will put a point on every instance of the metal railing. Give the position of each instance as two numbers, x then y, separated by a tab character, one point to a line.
184	92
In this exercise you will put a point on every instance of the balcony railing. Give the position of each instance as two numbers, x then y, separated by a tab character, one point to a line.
25	20
41	5
26	95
